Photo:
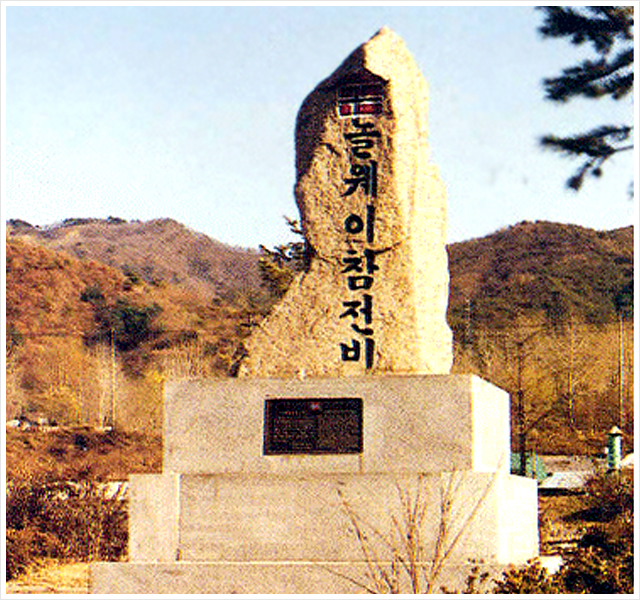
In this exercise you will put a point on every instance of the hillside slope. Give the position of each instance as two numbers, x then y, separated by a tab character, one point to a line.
77	328
545	267
49	292
156	251
549	288
43	289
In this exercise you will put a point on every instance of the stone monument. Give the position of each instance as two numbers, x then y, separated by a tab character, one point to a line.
344	404
373	212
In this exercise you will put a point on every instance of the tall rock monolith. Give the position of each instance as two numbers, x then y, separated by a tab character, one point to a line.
373	213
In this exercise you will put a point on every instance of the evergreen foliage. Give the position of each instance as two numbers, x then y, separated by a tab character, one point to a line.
609	30
127	324
278	266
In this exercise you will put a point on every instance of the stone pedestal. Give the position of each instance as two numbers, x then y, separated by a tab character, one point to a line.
225	517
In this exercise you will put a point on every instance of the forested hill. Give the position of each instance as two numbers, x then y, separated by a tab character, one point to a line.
156	251
550	268
165	301
532	267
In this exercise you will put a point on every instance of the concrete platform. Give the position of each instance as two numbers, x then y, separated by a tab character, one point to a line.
412	423
256	578
226	517
306	518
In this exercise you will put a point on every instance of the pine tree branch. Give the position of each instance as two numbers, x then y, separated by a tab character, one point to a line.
601	26
599	145
600	142
610	30
594	79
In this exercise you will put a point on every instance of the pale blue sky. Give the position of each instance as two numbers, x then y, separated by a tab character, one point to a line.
143	112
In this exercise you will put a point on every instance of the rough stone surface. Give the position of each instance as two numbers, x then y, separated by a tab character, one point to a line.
401	211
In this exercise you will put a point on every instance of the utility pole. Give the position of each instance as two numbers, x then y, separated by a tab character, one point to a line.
621	386
520	411
114	379
571	369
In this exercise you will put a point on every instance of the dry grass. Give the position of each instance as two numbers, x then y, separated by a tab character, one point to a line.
52	577
72	453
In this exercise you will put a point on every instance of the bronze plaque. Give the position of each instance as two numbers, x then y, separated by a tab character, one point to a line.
313	426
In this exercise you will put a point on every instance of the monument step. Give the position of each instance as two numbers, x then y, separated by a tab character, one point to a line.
265	577
488	516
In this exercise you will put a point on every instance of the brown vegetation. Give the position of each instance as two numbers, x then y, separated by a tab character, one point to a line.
602	560
599	559
546	309
540	268
65	498
80	452
536	307
79	521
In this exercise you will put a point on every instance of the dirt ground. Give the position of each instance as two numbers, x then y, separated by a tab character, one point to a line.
51	577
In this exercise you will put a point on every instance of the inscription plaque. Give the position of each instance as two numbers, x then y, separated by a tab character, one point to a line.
313	426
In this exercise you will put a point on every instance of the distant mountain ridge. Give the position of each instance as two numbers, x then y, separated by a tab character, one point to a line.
160	250
529	267
553	268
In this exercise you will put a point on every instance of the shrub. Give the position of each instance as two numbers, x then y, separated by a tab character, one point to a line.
93	294
595	568
603	563
533	578
592	571
25	546
609	495
404	559
64	519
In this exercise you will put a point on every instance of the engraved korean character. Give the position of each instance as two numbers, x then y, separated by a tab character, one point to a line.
363	140
351	353
359	282
353	262
364	176
366	331
354	224
355	308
